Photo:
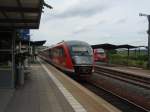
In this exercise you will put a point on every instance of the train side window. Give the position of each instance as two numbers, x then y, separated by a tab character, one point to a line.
50	53
61	52
55	52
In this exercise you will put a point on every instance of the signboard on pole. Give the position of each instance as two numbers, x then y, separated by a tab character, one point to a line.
25	34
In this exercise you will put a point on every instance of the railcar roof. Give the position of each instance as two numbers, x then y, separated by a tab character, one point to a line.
69	43
76	42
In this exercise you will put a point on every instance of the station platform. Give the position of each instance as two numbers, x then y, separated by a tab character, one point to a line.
48	90
134	70
127	69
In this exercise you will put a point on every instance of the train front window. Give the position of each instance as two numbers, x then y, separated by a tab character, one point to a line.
100	52
81	51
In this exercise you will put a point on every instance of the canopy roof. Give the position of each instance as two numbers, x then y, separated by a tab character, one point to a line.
33	43
20	13
38	43
104	46
111	46
126	46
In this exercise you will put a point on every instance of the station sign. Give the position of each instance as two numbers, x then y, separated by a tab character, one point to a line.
24	34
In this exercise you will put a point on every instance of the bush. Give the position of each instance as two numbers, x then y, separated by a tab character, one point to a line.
118	59
142	57
136	61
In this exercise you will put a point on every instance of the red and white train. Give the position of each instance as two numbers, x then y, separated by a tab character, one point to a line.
100	55
75	57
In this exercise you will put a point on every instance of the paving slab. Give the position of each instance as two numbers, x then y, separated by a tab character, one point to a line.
5	97
39	94
82	97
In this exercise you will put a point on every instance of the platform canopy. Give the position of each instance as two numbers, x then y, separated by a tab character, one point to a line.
38	43
111	46
104	46
33	43
20	13
126	46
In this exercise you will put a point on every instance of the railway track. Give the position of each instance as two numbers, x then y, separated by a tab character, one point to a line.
124	76
119	102
136	81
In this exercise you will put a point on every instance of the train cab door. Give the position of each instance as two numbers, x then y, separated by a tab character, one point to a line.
62	57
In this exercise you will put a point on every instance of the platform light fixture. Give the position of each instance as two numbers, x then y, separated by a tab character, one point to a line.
47	5
142	14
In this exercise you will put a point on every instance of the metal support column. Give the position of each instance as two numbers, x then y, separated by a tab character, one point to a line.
13	58
148	50
148	17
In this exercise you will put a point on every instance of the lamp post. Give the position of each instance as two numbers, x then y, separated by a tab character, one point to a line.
148	17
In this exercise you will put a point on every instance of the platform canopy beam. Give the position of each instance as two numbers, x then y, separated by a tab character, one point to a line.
20	13
19	9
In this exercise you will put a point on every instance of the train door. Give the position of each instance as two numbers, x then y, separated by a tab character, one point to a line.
62	57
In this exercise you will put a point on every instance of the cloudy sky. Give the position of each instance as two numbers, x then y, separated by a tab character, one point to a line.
94	21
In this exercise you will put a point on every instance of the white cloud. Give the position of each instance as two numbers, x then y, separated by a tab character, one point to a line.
78	8
94	21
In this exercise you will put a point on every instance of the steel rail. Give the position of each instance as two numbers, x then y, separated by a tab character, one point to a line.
119	96
123	76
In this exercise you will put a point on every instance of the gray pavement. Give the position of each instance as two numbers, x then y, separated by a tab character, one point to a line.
5	97
39	94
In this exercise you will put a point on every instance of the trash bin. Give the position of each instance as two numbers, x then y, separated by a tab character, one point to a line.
20	74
